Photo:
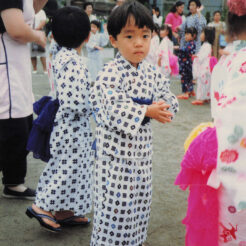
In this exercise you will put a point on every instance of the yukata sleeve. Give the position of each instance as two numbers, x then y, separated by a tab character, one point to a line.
162	92
74	89
104	38
200	23
114	109
90	46
232	133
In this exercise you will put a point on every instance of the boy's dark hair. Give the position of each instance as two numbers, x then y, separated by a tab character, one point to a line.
192	31
175	6
87	4
70	27
169	29
235	24
209	33
96	23
120	16
216	12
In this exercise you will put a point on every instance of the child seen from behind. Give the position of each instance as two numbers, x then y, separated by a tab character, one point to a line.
202	67
63	195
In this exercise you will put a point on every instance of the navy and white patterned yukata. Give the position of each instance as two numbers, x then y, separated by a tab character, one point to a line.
123	169
185	66
196	21
66	182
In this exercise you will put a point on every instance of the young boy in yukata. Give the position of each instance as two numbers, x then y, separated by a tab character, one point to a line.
64	191
128	92
94	48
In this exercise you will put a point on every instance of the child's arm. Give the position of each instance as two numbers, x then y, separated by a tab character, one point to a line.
104	37
162	92
114	108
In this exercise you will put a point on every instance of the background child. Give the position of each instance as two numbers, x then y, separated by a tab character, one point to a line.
185	63
201	66
94	46
65	184
152	57
203	209
123	98
167	61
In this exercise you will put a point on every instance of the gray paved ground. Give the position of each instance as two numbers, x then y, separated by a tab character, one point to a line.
169	203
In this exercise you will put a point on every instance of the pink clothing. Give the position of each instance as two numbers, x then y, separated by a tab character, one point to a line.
173	20
203	208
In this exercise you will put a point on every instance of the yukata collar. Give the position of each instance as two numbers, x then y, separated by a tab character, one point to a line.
239	44
127	65
65	56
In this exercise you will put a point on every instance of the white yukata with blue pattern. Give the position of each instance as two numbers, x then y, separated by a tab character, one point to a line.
123	169
66	182
95	61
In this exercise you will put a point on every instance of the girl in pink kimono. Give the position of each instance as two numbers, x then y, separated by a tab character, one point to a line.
201	67
167	61
202	214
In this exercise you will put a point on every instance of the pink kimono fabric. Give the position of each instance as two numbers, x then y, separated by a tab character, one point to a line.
203	208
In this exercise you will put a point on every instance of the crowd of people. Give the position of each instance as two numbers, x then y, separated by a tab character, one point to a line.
113	172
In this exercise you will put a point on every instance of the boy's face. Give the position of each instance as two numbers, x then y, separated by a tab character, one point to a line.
188	37
132	42
94	28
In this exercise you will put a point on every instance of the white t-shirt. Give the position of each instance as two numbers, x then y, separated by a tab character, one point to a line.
16	97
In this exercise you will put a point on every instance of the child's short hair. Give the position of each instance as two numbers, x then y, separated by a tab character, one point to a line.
119	17
192	31
209	33
96	23
70	27
169	29
87	4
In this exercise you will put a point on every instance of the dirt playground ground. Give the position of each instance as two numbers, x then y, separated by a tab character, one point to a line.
169	202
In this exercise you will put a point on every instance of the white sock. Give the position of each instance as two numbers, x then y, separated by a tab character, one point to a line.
18	188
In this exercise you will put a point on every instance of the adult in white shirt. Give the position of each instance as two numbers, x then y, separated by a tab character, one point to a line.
157	18
39	23
16	98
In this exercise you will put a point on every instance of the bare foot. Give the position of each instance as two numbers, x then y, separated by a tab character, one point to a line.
62	215
47	221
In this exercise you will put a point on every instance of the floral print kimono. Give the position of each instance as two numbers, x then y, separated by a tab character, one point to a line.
152	57
202	72
123	169
164	51
185	66
66	182
228	110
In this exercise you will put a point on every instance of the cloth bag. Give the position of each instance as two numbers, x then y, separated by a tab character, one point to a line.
39	138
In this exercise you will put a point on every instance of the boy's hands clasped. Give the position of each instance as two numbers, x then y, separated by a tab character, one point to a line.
159	111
